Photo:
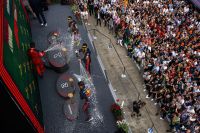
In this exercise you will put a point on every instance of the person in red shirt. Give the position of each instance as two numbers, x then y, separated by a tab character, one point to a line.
87	61
36	58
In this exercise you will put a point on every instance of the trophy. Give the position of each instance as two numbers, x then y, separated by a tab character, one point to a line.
66	89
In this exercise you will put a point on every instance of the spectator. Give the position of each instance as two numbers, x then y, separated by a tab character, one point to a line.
91	7
164	36
98	17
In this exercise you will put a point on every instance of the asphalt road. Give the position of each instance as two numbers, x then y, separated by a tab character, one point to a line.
52	104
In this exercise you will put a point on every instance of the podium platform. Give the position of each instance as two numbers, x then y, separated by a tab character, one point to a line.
65	86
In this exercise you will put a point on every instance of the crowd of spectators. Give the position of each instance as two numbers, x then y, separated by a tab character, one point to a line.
162	36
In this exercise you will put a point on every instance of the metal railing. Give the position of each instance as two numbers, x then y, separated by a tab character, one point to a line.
124	69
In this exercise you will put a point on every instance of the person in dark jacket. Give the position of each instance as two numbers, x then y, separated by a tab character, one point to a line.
44	5
130	51
84	49
91	7
136	108
36	5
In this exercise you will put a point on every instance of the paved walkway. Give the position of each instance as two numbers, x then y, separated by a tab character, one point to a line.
126	89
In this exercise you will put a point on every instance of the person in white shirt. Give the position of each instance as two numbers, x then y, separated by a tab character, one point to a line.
186	9
98	18
165	10
86	16
113	2
111	25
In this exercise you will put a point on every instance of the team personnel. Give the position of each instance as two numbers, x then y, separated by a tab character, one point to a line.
37	8
36	58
